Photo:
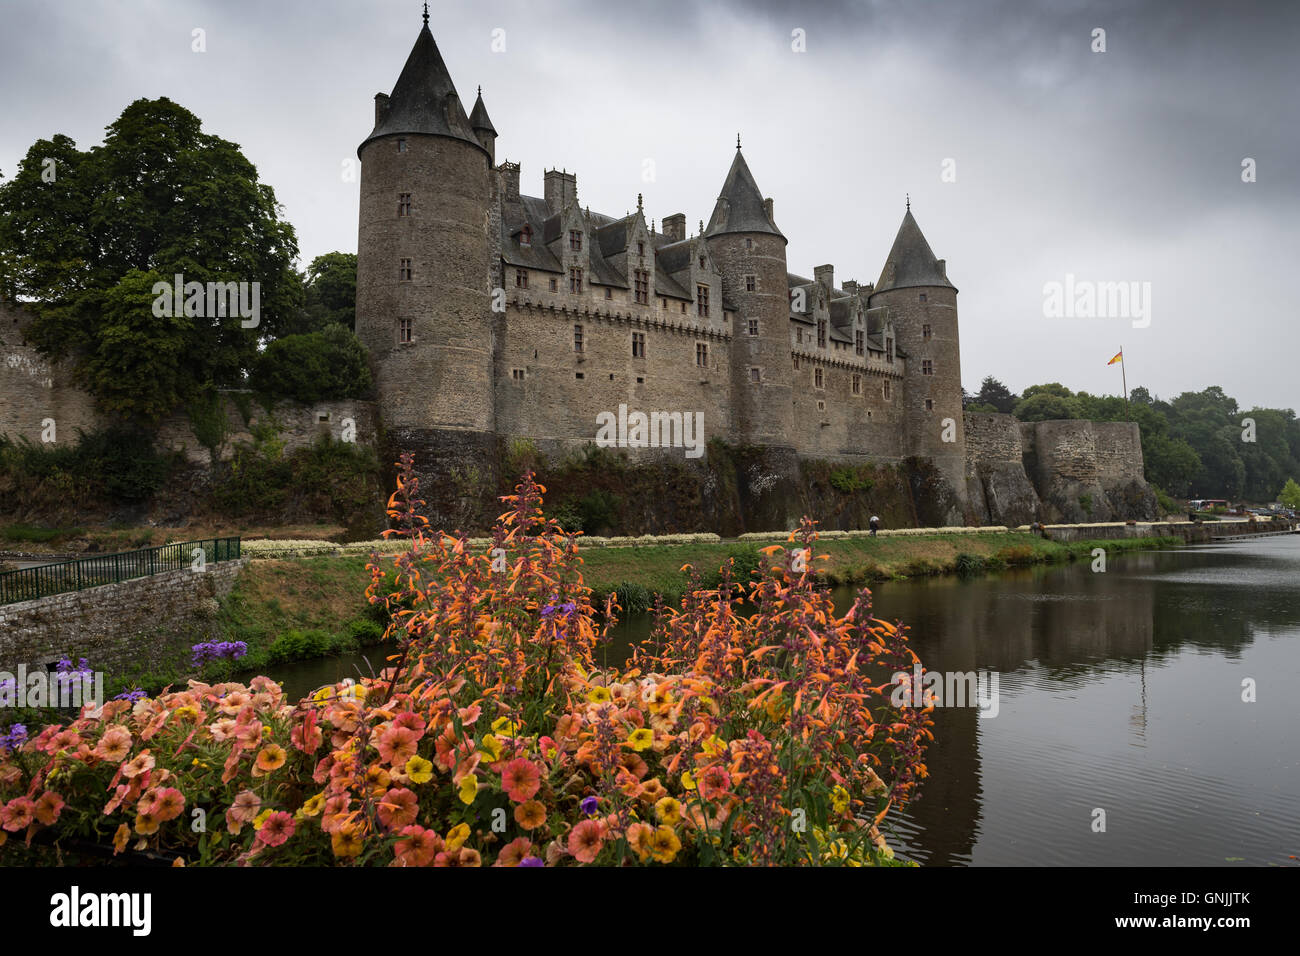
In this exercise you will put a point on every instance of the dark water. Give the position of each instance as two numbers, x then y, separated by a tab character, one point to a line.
1120	691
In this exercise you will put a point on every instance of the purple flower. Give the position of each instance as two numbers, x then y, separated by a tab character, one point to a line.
132	695
532	861
588	806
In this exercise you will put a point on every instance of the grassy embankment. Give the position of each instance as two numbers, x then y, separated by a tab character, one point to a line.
326	594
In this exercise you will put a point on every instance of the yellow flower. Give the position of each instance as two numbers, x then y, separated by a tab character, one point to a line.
664	844
419	770
669	811
839	799
642	738
457	836
187	713
715	745
505	726
688	780
313	806
261	818
598	695
468	788
492	747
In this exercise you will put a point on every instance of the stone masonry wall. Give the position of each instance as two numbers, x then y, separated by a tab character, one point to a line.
998	489
1087	471
137	624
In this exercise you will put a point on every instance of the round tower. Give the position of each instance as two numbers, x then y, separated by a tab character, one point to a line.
423	265
749	250
922	304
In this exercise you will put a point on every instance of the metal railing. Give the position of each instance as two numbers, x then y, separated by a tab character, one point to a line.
43	580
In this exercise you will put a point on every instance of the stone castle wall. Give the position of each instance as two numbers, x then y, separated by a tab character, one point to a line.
34	391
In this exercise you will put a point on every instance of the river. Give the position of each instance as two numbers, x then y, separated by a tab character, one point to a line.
1118	691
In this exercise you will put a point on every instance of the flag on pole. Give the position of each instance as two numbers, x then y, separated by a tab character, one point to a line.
1119	357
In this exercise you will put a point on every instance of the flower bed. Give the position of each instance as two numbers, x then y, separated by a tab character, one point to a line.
493	738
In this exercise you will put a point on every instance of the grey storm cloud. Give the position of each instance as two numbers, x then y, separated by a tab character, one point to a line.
1122	165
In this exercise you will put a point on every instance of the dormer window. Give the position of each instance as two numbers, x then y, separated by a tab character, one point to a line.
889	351
702	261
860	342
821	333
640	248
575	241
526	235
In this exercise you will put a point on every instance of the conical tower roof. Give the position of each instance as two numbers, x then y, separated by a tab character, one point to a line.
910	262
425	99
740	205
478	117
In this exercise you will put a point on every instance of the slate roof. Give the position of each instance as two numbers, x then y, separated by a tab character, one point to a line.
913	262
740	204
419	102
479	119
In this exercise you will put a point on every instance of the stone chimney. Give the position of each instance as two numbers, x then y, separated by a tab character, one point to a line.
381	107
561	189
825	275
851	287
675	227
767	208
510	179
943	267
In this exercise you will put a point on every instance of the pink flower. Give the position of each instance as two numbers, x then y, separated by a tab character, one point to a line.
276	828
17	814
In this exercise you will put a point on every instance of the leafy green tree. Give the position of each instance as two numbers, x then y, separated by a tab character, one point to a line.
1290	494
1051	388
331	291
994	393
314	367
1046	406
159	198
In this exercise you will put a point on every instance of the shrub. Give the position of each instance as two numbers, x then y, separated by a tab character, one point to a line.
495	707
599	509
297	645
851	480
970	564
314	367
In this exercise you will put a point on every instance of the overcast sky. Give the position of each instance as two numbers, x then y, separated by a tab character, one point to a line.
1123	165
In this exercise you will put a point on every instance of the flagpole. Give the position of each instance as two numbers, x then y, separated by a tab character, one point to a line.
1123	374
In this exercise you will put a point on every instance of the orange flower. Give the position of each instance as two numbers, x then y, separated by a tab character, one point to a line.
640	836
347	842
48	807
142	763
121	838
514	851
418	847
520	779
269	758
114	745
397	745
398	808
146	824
530	814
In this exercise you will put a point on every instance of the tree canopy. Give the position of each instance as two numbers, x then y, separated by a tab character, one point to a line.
86	234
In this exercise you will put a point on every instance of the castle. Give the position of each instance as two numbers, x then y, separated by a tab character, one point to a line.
492	316
488	312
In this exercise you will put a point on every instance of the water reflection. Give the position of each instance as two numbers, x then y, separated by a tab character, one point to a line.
1119	691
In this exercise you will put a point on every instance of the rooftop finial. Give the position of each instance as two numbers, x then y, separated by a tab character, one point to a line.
737	141
480	89
638	202
426	14
909	201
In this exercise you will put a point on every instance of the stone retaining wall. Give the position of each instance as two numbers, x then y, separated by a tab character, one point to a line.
136	624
